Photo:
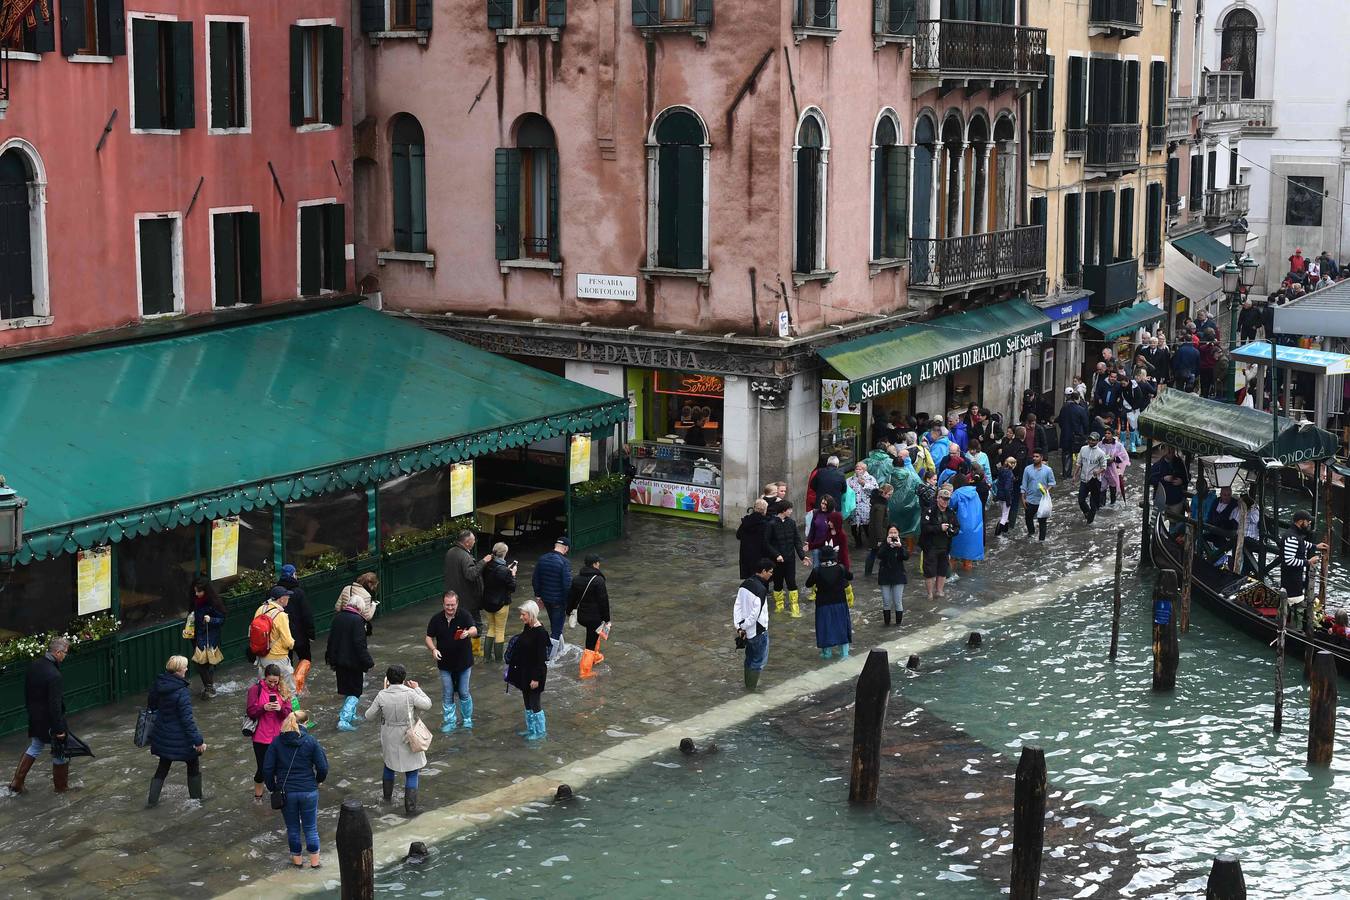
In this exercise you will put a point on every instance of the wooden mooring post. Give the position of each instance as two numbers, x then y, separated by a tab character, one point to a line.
869	718
1279	662
1115	608
1225	879
1028	824
1188	575
356	853
1322	709
1166	652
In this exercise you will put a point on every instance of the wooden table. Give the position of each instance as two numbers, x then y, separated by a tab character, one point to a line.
502	515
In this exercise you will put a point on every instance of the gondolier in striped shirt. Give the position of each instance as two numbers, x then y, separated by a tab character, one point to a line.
1297	553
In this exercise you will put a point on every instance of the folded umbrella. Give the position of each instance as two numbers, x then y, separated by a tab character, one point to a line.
70	747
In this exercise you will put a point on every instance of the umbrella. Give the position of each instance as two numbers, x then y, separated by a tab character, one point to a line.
70	747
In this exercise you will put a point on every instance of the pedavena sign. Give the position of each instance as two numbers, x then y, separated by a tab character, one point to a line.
941	366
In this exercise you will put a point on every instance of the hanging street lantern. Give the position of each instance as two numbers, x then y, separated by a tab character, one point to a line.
11	519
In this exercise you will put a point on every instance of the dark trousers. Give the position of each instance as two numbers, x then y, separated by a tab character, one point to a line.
259	754
785	573
1066	461
592	636
1090	498
1032	521
557	615
533	699
194	767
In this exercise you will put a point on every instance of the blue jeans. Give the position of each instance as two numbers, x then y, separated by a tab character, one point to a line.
757	651
409	778
455	683
557	615
34	750
302	811
893	597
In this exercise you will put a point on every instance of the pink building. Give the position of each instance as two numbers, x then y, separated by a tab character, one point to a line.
161	159
683	203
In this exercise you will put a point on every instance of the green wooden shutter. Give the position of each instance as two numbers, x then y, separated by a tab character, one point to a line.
667	205
73	27
417	183
226	259
1106	227
508	202
44	36
250	257
554	246
156	266
333	56
184	83
646	12
423	15
689	228
311	253
897	189
1072	235
557	13
402	178
145	50
703	13
336	221
217	37
880	200
297	75
1090	228
500	15
879	9
372	15
117	28
1077	94
1126	244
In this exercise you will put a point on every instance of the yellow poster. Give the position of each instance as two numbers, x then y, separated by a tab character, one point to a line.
579	462
461	489
93	580
224	548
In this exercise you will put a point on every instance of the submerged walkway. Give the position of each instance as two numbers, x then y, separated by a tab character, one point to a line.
670	673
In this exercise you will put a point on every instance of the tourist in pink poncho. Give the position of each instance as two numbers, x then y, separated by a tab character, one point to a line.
1117	461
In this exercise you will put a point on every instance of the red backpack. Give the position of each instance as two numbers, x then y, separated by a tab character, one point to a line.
260	633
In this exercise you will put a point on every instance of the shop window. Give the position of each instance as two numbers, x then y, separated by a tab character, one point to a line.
39	596
316	75
227	48
160	255
1303	203
162	75
409	158
154	574
236	248
527	193
413	503
677	155
93	28
964	388
810	157
328	525
323	248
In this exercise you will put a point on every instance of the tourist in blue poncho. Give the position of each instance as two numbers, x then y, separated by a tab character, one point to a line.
968	545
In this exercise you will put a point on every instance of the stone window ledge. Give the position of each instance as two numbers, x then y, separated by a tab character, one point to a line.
651	32
802	32
551	33
877	266
26	322
880	39
699	275
824	276
525	262
387	256
403	34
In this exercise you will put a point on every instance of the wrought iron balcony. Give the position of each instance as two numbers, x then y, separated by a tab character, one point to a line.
1113	147
1113	285
1157	137
1226	205
1119	17
1075	141
976	259
1042	141
954	49
1180	118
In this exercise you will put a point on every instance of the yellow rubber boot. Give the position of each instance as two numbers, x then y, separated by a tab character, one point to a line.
777	601
793	609
848	594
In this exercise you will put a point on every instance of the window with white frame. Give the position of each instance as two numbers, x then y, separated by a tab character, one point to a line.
810	158
323	243
382	16
23	268
317	53
93	28
227	74
677	191
162	75
159	260
890	190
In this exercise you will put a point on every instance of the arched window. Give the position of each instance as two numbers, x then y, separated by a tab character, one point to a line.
890	191
1238	49
410	185
678	166
810	158
527	193
23	276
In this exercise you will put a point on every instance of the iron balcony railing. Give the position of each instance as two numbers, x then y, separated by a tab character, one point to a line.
1113	146
1042	141
1075	141
1125	14
979	48
1113	284
1180	117
1227	204
962	261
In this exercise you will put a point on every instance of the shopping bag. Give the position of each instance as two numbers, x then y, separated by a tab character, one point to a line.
1043	509
190	627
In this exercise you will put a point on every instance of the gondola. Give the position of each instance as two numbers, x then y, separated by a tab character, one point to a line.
1246	602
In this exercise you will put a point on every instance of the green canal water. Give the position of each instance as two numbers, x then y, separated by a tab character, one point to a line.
1185	775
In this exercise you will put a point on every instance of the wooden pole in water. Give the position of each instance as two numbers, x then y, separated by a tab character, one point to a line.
1225	879
1322	709
869	718
1345	514
356	854
1028	824
1279	663
1166	653
1115	608
1145	547
1187	575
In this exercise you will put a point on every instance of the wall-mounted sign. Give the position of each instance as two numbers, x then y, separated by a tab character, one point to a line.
687	384
461	489
93	580
784	324
834	397
224	548
607	287
672	495
579	459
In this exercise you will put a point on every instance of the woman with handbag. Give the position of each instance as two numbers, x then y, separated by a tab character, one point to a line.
294	768
175	737
589	607
208	617
269	704
403	737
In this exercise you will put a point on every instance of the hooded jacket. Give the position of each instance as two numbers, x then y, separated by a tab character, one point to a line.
782	539
347	642
295	763
498	585
750	533
589	597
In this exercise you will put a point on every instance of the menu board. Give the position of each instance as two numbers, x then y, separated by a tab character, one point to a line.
579	459
834	398
224	548
673	495
461	489
93	580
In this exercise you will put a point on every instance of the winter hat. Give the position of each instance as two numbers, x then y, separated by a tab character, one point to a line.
278	592
288	571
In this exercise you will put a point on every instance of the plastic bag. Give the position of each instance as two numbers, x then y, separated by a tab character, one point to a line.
850	503
1043	509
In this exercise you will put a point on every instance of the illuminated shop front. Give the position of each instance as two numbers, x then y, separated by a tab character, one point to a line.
677	434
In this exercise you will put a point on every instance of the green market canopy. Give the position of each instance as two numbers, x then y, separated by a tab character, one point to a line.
1203	427
1124	321
891	360
123	440
1206	247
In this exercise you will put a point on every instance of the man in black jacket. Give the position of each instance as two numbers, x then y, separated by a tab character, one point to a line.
831	482
750	533
350	659
938	527
1073	426
45	699
783	546
1249	320
302	626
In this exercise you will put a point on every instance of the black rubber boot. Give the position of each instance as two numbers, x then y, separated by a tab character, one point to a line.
899	616
195	787
410	801
156	785
886	616
388	791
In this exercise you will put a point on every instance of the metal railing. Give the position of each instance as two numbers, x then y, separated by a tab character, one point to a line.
1075	141
1157	137
1180	117
1113	146
983	48
1112	284
1256	113
959	261
1042	141
1227	204
1115	14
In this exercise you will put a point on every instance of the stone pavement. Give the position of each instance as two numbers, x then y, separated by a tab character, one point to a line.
671	659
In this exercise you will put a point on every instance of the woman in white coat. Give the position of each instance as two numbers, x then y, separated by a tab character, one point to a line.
395	708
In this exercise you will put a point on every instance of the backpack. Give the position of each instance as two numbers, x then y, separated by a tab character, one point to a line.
260	633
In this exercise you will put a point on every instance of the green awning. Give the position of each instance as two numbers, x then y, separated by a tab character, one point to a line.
1205	247
124	440
891	360
1123	321
1206	427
